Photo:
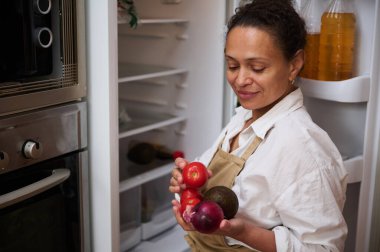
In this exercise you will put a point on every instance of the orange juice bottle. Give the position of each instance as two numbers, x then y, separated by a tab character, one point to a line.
311	13
337	41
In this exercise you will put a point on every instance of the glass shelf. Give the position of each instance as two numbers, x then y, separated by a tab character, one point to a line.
162	21
144	21
132	72
146	177
143	122
349	91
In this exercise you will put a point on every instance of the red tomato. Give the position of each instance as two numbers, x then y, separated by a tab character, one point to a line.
188	204
194	174
190	193
177	154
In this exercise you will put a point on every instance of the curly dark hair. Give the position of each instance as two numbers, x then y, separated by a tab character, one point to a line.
278	18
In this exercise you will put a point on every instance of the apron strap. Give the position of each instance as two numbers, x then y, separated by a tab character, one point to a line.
251	148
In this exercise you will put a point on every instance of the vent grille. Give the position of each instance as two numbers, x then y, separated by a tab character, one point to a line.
68	51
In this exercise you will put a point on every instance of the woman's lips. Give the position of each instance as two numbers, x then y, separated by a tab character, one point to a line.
246	95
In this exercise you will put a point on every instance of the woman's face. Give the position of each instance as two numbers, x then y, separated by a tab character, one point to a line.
257	70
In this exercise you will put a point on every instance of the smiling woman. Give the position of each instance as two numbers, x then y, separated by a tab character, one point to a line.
286	172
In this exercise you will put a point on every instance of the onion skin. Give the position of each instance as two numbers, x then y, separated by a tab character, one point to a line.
206	217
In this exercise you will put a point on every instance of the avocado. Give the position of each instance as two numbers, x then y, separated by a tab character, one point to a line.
225	198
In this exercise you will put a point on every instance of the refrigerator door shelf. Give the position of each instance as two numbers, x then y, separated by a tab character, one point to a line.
132	72
353	90
354	167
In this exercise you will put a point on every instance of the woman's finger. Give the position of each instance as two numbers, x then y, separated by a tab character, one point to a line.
180	162
178	216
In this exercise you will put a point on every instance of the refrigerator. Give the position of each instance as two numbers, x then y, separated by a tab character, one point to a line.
165	85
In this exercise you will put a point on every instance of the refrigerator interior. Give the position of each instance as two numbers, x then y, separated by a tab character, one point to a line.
170	87
170	77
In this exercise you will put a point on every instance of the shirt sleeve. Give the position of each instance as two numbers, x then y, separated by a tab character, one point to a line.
310	210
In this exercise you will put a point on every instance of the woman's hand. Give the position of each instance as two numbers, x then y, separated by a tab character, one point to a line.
176	181
246	232
186	226
177	186
232	228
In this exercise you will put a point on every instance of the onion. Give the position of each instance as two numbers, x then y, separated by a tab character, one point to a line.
206	216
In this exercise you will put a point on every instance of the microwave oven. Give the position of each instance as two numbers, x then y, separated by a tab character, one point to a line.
42	53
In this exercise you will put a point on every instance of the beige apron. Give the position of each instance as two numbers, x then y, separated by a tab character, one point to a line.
225	167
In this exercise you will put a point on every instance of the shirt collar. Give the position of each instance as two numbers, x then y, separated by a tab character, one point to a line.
288	104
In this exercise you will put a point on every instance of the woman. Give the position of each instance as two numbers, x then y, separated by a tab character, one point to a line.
285	170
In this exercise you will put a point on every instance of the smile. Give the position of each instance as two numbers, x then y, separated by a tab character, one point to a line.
246	95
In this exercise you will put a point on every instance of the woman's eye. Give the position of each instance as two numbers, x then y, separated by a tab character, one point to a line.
232	68
257	69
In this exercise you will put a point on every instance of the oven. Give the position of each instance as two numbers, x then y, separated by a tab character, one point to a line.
44	196
42	53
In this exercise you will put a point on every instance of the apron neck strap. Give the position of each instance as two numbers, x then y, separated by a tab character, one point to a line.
251	148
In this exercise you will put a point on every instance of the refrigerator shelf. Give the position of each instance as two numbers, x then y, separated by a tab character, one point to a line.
158	21
174	237
143	122
132	72
145	177
353	90
354	167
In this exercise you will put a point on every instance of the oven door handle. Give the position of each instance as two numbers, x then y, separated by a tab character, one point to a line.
57	176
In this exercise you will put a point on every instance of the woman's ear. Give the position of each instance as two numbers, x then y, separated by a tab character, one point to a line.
296	64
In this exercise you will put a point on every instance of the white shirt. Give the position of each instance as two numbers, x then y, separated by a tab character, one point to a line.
294	183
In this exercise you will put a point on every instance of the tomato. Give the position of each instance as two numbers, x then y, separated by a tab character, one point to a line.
177	154
188	204
190	193
194	174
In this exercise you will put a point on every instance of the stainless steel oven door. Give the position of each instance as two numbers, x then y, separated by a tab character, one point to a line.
43	207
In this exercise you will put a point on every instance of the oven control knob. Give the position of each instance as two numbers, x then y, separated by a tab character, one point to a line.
32	149
4	160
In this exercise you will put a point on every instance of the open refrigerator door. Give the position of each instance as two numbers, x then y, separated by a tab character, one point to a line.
348	111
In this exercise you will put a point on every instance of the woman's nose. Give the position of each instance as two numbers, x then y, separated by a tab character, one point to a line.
244	77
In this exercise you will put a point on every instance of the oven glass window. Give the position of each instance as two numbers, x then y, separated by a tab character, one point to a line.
49	221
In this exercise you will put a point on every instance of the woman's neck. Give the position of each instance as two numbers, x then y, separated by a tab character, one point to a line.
257	113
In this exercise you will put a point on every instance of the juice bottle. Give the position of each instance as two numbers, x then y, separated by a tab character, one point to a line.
337	40
311	13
